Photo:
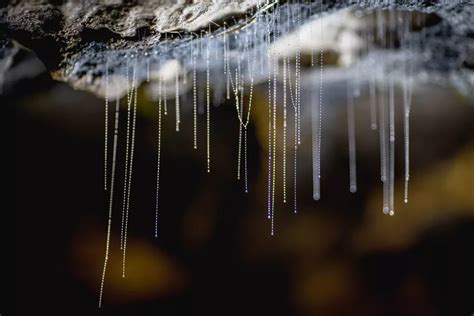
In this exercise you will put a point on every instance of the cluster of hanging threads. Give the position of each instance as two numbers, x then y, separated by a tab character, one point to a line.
240	48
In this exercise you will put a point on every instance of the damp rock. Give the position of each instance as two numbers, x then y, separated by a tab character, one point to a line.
77	41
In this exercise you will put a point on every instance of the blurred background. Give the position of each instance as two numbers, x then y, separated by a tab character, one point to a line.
214	254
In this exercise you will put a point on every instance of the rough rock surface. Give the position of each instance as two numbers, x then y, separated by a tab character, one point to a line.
77	40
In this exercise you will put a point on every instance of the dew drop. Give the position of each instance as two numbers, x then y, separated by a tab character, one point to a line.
269	201
178	114
165	99
373	104
208	111
111	197
315	139
130	170
239	114
130	92
274	129
382	132
106	123
320	116
284	127
158	164
352	140
194	101
392	144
